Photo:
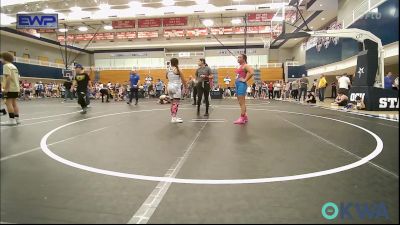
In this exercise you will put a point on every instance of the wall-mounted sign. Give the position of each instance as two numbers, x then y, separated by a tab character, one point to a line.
174	33
147	34
123	24
146	23
37	21
175	21
125	35
259	17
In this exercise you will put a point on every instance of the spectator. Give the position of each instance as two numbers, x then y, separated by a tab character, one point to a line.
303	87
311	98
104	92
321	88
286	90
67	85
388	81
314	86
360	103
396	84
295	89
159	88
227	81
342	99
270	90
334	90
344	85
277	90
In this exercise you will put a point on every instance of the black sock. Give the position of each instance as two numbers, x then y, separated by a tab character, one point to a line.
16	115
11	115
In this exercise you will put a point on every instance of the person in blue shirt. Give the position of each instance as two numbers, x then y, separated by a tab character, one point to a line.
388	81
134	79
159	87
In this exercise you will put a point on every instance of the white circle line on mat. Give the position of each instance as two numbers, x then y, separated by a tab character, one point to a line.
373	154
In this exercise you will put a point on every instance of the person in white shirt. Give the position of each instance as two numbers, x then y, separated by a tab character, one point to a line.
277	90
344	84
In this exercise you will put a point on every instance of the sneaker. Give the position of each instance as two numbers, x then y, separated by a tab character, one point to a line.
176	120
246	119
84	110
11	122
206	114
136	103
129	103
17	120
240	121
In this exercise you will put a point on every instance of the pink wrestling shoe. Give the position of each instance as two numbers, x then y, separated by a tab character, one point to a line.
246	119
241	120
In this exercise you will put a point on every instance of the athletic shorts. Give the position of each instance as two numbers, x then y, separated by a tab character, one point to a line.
174	91
241	88
10	95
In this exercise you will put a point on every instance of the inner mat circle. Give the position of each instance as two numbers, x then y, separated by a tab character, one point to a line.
373	154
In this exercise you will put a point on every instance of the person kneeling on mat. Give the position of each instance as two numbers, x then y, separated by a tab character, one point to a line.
82	80
175	80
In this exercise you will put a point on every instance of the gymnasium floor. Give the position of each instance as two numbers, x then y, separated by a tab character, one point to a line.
201	171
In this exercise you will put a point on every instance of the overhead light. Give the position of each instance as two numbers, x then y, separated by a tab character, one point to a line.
208	23
236	21
63	30
108	27
322	18
201	2
320	5
75	9
238	0
83	29
104	6
168	2
135	4
49	10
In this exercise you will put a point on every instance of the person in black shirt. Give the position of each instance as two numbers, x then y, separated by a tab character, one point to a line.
82	80
311	98
203	76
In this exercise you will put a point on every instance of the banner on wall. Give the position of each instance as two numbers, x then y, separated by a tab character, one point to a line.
125	35
123	24
147	34
175	21
148	23
174	33
259	17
